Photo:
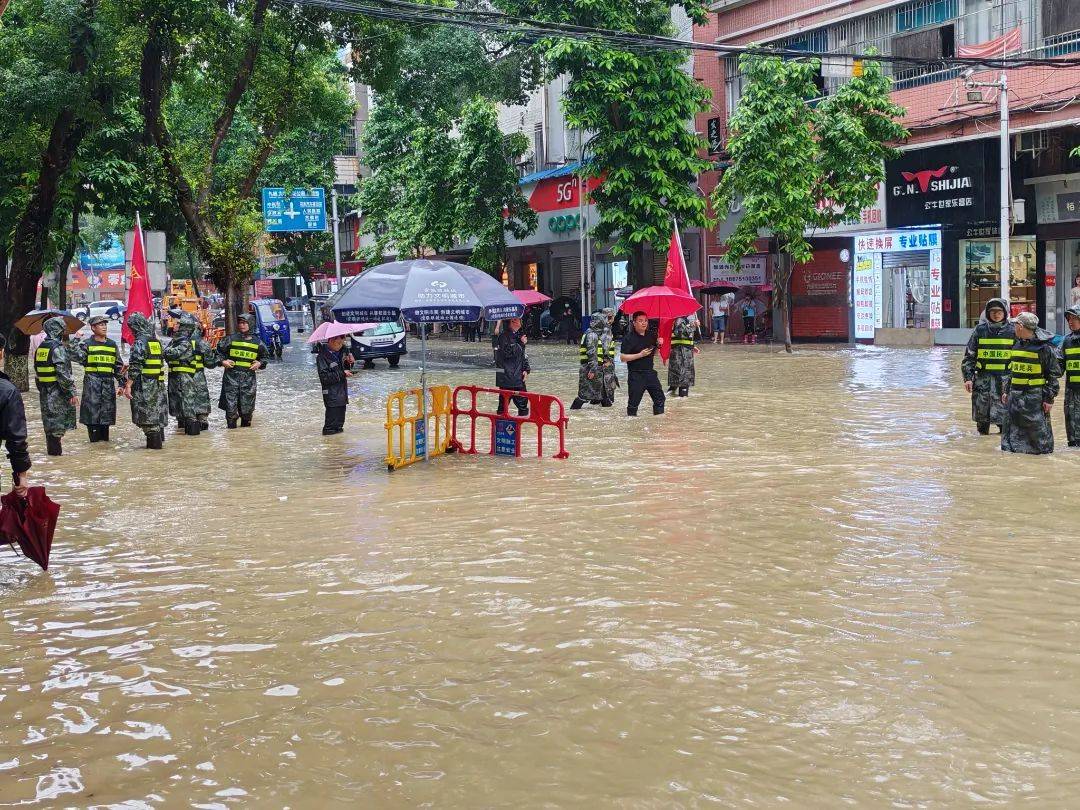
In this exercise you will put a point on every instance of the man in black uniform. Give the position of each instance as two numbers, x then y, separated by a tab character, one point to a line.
637	352
13	427
511	363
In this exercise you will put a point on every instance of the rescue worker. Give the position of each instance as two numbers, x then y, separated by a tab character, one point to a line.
986	365
592	356
1070	352
334	364
681	360
205	357
180	354
56	387
13	428
104	378
242	354
1030	389
146	382
610	378
637	352
511	363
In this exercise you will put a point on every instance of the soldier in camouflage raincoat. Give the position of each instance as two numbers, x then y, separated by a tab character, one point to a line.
103	378
1070	352
182	356
205	357
611	379
680	375
985	365
56	387
242	354
1030	389
146	382
591	353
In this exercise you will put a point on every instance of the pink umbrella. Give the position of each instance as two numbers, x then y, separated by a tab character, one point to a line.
329	329
661	302
530	297
696	284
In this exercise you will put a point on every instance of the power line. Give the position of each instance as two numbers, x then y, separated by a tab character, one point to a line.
530	29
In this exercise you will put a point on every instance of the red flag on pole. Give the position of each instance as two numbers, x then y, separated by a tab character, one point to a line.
677	278
139	298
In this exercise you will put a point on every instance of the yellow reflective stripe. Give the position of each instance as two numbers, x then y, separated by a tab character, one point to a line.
198	356
1072	365
42	353
1030	355
994	354
1026	368
682	342
1070	352
1029	381
996	341
995	366
181	369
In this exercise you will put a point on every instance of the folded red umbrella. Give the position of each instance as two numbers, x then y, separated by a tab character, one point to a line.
30	522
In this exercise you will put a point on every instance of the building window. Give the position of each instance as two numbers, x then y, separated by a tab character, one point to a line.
924	13
980	279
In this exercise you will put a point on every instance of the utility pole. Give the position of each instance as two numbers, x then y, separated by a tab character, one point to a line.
337	238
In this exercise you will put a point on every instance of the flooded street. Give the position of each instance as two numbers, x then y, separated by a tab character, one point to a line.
810	583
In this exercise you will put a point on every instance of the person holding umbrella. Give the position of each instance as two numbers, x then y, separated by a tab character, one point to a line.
637	352
13	428
334	365
104	378
512	363
56	386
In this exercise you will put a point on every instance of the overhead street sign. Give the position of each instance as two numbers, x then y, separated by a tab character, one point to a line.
303	210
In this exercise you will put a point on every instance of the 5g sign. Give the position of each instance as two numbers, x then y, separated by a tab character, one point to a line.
564	192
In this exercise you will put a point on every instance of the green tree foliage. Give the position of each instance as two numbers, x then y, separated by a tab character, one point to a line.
798	166
489	202
640	106
223	87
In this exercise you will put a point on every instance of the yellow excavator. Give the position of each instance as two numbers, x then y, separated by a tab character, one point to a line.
184	297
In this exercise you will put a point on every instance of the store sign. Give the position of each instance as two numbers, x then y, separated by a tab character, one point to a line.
935	289
898	242
715	136
943	185
864	294
564	223
556	193
1068	205
752	271
870	219
264	288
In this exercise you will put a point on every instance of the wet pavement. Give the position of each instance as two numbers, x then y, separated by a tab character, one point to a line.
809	584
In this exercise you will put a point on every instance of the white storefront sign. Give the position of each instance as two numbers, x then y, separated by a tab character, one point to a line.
752	271
870	219
868	276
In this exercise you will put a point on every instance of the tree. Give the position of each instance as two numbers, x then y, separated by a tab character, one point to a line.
62	68
798	166
223	85
484	180
640	106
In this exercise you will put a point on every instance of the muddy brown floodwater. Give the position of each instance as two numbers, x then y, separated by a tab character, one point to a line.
809	584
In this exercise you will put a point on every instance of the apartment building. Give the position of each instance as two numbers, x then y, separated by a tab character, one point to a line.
925	259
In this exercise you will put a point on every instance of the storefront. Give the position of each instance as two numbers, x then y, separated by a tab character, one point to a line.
1058	230
897	282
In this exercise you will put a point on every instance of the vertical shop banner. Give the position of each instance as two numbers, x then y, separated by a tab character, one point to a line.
863	296
935	289
878	302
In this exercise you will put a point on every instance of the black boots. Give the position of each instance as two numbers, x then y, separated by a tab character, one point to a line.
52	445
155	440
657	410
230	421
103	433
98	433
576	404
192	427
984	428
203	424
245	421
684	392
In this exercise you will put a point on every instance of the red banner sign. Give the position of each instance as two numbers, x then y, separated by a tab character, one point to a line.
555	193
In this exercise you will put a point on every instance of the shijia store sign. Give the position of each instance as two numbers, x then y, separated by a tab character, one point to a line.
943	185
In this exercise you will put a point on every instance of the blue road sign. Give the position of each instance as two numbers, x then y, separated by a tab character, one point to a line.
506	437
303	210
420	437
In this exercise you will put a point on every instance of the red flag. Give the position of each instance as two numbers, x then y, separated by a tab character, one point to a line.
139	297
677	278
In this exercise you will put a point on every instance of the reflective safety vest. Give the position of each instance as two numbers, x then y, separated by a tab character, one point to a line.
993	354
180	367
152	366
198	362
1072	367
1026	369
44	367
583	353
100	358
243	353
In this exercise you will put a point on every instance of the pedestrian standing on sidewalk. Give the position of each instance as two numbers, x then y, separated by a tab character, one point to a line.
1030	389
334	365
511	363
13	428
719	309
637	352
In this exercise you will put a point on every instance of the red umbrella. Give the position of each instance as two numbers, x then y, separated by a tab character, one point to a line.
661	302
530	297
696	284
30	522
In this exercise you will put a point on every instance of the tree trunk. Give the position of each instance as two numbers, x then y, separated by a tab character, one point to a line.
781	283
638	276
65	260
32	229
43	302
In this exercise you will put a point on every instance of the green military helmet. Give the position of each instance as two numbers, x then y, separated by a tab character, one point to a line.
1074	311
94	321
249	319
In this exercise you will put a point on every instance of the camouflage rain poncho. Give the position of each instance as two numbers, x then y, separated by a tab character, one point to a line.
1032	381
238	384
1070	353
681	359
104	373
985	366
56	386
592	355
149	406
